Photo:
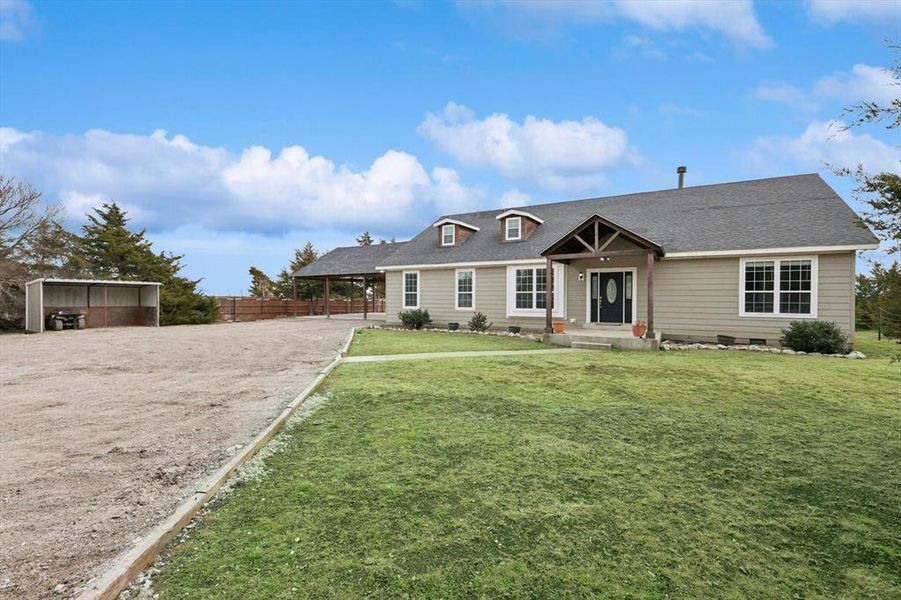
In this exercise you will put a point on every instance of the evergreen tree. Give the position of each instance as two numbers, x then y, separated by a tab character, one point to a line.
260	284
307	289
879	299
109	250
365	239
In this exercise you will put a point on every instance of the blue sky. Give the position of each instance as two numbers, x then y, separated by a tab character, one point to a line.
236	132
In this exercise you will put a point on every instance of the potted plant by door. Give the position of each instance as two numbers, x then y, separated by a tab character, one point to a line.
639	329
559	326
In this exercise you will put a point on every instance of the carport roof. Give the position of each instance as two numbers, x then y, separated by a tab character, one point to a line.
58	281
350	260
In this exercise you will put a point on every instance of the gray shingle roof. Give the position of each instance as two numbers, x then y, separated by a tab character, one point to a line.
780	212
350	260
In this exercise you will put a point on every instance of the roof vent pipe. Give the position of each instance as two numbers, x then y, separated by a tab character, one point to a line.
681	171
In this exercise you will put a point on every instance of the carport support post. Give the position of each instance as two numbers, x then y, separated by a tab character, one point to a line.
365	301
328	312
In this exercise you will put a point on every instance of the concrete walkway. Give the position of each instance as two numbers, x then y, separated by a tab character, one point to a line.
465	354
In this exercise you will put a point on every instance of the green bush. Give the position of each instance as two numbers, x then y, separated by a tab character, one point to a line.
415	319
815	336
479	322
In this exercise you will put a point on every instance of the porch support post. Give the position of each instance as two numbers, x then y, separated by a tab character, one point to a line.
328	311
651	261
365	301
549	297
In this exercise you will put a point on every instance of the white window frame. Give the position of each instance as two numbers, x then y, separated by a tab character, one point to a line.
518	229
457	290
559	292
777	284
453	234
403	289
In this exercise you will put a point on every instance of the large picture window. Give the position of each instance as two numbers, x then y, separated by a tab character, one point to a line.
465	289
778	287
527	290
411	289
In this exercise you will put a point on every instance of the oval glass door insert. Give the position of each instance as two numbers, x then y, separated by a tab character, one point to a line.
611	291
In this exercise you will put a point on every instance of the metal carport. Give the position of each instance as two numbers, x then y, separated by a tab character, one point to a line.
106	303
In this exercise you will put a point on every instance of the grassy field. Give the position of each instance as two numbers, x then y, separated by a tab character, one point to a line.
867	342
370	342
714	474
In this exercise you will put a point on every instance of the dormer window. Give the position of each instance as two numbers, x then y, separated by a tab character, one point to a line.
514	228
517	225
452	232
448	234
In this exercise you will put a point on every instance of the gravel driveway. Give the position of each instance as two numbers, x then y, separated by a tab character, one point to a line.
103	432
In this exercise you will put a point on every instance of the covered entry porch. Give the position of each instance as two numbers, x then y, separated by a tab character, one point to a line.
609	283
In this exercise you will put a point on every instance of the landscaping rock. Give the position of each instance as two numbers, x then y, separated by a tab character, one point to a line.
788	351
855	355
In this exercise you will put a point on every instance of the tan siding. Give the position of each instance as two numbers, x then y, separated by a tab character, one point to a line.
437	295
694	298
700	298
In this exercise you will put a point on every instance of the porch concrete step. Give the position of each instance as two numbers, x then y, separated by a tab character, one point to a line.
593	339
591	346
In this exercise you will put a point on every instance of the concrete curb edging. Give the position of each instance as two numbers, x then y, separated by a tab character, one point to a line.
129	565
376	358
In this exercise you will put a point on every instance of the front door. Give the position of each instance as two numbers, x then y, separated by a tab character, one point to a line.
611	297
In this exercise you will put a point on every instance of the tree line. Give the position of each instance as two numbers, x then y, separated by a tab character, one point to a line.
878	294
283	286
34	243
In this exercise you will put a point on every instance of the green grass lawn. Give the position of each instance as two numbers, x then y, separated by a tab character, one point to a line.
617	474
368	342
866	341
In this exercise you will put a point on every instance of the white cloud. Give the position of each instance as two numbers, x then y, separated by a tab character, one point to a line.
513	197
863	83
16	19
561	155
735	19
636	45
700	57
168	181
786	94
834	11
674	110
825	142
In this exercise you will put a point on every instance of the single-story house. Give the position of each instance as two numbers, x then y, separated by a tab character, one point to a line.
740	259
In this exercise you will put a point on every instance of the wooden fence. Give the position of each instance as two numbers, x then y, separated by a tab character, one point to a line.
242	308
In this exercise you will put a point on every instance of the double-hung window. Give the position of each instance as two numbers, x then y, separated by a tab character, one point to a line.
778	287
531	288
514	228
411	289
527	290
448	233
465	289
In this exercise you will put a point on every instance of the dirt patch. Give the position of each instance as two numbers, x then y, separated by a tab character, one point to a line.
103	432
